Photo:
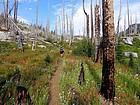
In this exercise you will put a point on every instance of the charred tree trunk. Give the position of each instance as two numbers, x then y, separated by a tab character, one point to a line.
81	77
97	34
87	17
108	70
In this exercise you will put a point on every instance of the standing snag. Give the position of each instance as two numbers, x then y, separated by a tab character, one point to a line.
81	77
108	70
87	17
97	34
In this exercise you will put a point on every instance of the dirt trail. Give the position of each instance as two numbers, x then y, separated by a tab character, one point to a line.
54	88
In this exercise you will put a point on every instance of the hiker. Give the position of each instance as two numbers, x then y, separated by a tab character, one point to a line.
61	51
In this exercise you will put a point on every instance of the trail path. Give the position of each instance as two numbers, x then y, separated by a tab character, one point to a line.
54	88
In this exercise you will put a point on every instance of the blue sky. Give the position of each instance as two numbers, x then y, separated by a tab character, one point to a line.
27	11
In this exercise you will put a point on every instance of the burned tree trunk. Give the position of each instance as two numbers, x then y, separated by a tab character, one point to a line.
108	70
87	17
81	77
97	34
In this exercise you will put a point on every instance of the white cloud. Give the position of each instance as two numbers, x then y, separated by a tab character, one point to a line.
30	8
79	14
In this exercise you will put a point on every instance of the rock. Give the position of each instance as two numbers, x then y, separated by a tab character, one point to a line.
133	54
128	40
41	46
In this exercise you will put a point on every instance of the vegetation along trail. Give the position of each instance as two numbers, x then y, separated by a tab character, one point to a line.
54	88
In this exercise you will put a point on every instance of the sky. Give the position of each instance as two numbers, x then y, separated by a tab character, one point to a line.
27	11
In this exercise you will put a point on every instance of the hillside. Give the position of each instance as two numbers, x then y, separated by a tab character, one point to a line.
132	28
14	30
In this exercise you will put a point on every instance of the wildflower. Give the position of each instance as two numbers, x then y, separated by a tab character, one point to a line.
119	86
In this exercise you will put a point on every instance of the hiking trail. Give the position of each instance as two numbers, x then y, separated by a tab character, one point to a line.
54	85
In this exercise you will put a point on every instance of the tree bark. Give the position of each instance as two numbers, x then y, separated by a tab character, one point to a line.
15	10
135	32
48	19
87	17
91	22
71	24
108	70
97	34
128	19
118	25
7	9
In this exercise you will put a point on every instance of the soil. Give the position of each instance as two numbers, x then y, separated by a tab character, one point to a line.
54	88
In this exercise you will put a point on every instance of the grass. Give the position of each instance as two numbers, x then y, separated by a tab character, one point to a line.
35	75
127	87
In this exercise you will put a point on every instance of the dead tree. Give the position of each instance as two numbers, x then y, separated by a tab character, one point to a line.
67	20
48	19
135	31
60	25
81	77
7	11
36	23
63	22
124	26
108	70
87	18
84	29
128	18
91	22
56	29
97	34
15	10
4	9
118	24
71	24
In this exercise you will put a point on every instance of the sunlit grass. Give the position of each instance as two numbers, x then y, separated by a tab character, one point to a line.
127	86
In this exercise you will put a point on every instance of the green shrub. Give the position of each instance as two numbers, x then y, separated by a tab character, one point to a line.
5	46
136	42
48	58
131	62
49	39
82	48
119	52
